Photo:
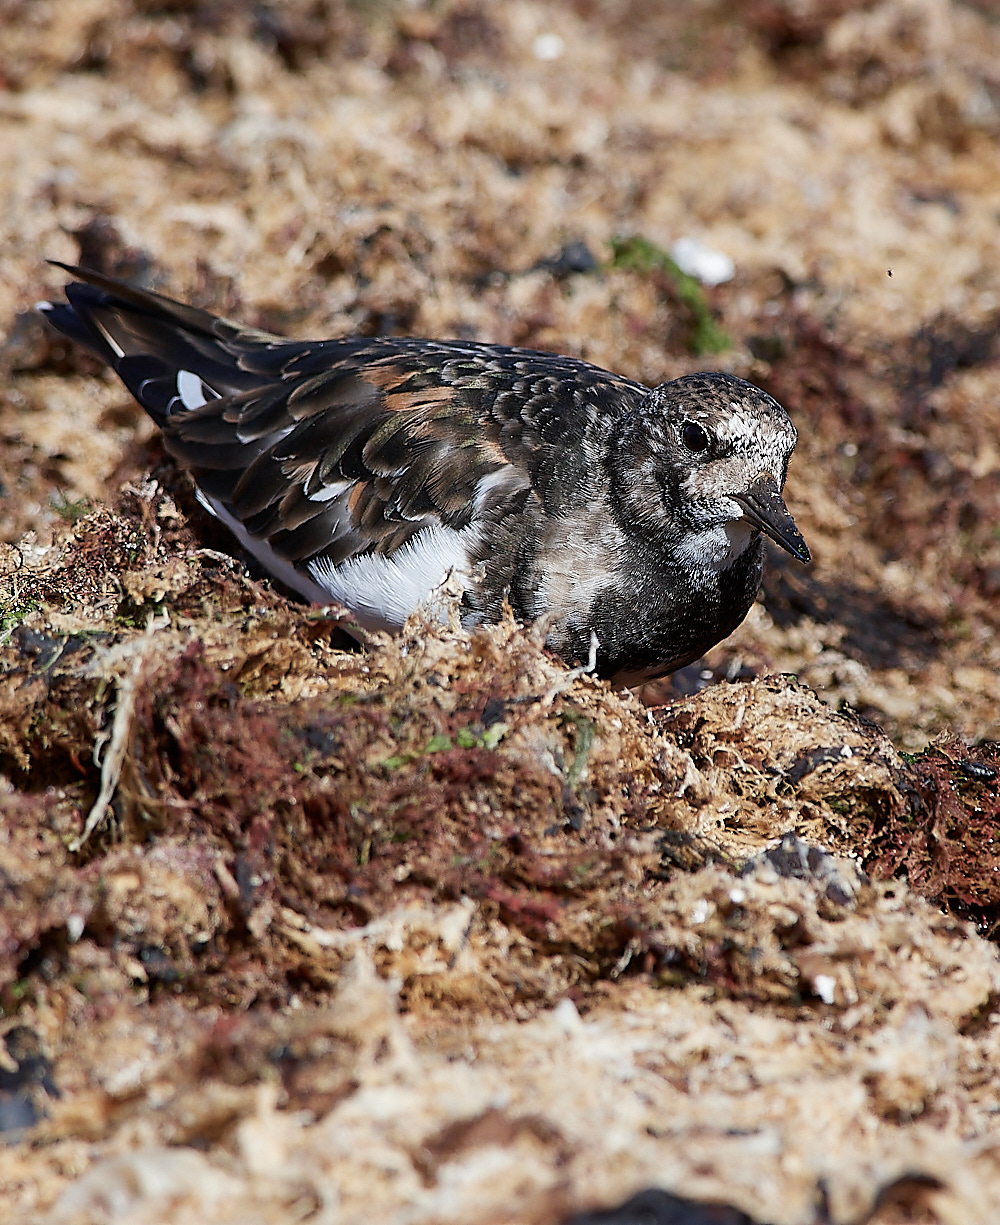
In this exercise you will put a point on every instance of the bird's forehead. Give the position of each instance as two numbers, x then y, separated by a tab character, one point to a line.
753	426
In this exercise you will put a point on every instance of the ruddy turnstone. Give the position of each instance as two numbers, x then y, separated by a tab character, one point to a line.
373	472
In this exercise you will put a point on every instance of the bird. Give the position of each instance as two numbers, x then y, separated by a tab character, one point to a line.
377	473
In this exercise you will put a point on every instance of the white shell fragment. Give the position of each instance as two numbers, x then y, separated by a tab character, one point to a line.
705	265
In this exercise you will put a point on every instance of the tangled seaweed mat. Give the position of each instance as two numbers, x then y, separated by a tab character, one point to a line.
487	954
443	931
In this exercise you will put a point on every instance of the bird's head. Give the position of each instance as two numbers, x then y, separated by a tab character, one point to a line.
700	465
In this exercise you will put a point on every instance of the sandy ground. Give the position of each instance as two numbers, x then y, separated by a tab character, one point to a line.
317	970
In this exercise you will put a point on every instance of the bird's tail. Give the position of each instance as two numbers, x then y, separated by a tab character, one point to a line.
171	357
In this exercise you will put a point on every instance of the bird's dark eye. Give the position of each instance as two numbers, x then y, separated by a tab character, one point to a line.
695	438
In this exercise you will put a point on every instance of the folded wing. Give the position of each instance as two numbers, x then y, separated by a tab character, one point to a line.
360	470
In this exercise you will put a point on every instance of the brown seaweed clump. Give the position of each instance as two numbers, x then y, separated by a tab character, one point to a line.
252	876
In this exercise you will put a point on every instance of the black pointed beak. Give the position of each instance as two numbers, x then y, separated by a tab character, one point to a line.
765	508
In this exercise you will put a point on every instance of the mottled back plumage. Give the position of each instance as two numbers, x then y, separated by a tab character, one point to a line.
371	472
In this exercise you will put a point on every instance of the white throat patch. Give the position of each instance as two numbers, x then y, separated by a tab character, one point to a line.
715	548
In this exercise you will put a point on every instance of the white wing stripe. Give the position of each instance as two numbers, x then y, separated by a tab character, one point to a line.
191	389
326	493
